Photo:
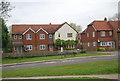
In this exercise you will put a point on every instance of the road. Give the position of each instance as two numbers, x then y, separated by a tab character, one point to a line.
74	60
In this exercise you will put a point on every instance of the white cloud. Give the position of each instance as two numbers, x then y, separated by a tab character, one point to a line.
81	12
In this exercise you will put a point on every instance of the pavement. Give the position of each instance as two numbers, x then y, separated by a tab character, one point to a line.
108	76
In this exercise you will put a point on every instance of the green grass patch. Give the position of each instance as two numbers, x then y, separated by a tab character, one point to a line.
99	67
20	60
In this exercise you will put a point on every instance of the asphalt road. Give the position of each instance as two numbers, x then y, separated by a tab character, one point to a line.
74	60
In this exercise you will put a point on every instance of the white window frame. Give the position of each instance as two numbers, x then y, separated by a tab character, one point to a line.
42	47
93	34
20	36
110	33
15	36
69	34
94	43
28	37
29	47
50	36
106	43
102	33
87	34
88	44
42	36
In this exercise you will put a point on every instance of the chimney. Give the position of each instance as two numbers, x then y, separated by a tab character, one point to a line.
50	23
105	19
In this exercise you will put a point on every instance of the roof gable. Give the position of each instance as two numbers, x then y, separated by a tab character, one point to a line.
42	30
68	25
28	30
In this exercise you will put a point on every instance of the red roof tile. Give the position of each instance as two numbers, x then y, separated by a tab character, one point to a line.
106	39
19	29
101	25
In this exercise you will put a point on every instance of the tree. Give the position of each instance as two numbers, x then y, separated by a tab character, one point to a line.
115	17
78	28
5	8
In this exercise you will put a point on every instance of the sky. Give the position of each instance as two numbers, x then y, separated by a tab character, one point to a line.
81	12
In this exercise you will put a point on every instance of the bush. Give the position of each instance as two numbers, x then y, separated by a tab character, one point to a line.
101	49
69	48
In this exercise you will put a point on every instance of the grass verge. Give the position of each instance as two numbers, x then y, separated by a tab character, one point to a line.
20	60
91	68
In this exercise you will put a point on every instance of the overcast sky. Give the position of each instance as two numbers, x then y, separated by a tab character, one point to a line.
81	12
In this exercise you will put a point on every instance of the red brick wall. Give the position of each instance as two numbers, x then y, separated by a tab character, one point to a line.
29	42
90	39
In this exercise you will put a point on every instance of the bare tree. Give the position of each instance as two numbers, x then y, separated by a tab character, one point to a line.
78	28
115	17
5	8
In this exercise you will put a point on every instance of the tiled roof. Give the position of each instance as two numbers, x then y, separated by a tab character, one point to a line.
101	25
106	39
50	28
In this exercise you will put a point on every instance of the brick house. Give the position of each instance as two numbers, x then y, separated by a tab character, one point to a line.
100	34
40	37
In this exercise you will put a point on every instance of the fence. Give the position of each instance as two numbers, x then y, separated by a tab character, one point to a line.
39	53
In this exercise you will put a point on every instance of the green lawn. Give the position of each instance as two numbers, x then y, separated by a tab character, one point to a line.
20	60
99	67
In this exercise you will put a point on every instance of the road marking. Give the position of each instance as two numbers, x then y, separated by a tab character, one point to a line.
67	60
49	62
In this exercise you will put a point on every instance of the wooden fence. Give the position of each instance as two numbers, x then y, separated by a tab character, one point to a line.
39	53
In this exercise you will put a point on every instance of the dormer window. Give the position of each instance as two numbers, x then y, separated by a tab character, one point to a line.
102	33
28	36
15	36
50	36
20	36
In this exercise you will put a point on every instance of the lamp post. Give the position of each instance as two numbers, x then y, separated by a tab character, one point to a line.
61	50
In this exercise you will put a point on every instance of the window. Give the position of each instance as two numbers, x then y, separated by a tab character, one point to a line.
20	36
106	43
88	44
42	36
50	35
102	33
28	36
15	36
69	34
94	43
42	47
87	34
110	33
59	35
29	47
93	34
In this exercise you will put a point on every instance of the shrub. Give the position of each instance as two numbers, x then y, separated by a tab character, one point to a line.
69	48
101	49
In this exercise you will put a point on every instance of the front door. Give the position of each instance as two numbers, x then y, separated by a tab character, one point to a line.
19	49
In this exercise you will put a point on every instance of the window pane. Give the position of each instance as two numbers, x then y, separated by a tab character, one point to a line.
69	34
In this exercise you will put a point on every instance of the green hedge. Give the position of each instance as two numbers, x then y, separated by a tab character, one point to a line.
101	49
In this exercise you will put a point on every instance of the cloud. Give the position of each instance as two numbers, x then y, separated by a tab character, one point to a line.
81	12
